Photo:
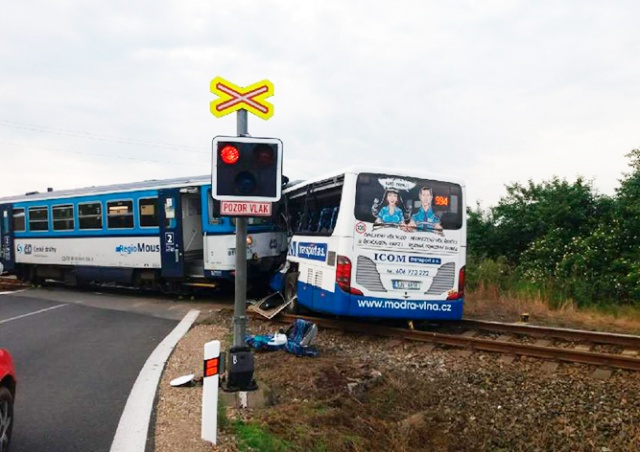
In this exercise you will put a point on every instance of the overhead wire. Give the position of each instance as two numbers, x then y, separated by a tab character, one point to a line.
93	154
107	138
95	136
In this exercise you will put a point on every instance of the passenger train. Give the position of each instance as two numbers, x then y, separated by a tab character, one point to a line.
163	234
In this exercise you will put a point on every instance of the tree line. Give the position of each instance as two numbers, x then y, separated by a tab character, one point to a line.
563	240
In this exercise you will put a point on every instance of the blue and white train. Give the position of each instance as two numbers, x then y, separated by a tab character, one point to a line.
161	234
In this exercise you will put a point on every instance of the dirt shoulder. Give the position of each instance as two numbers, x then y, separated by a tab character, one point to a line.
371	393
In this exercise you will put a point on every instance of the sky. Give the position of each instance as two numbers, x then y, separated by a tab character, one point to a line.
492	92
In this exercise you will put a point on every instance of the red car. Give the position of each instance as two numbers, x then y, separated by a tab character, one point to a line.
7	396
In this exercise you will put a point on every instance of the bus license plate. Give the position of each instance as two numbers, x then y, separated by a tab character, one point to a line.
406	285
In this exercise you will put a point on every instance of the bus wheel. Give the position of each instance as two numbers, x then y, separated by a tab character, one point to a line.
290	291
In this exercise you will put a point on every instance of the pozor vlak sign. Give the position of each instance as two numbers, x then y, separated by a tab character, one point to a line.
246	175
245	208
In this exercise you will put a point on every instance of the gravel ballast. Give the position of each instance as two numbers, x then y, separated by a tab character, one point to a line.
371	393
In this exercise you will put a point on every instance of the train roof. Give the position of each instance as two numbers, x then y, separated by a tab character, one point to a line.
115	188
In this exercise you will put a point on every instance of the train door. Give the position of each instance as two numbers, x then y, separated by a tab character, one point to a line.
6	238
171	240
192	225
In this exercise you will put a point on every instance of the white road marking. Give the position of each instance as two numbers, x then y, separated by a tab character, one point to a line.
131	435
32	313
12	291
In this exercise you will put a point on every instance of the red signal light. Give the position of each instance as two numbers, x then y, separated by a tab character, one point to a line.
229	154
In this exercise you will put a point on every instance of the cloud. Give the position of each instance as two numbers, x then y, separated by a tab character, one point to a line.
493	92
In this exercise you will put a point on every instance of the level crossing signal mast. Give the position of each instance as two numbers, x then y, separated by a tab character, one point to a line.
246	169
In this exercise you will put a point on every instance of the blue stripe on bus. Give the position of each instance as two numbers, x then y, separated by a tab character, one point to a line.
341	303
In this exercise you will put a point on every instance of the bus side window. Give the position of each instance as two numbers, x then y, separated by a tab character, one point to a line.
301	226
334	218
324	224
312	222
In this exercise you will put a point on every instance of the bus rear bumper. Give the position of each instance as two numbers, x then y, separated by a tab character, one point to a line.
342	303
405	309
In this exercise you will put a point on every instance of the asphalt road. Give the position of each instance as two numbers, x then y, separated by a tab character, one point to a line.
76	365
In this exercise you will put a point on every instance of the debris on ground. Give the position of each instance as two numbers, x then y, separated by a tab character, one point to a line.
298	339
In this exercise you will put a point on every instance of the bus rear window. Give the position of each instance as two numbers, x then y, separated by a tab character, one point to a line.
419	204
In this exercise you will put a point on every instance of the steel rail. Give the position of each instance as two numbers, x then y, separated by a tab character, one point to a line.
8	283
475	343
624	340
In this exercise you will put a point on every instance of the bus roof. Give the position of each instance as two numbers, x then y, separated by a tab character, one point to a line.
115	188
376	170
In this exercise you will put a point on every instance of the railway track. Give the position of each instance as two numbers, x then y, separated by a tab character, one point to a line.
10	283
574	346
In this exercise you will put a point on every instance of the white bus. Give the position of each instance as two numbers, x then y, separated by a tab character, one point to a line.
372	242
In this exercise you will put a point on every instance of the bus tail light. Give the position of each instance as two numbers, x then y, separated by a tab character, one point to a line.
460	293
343	276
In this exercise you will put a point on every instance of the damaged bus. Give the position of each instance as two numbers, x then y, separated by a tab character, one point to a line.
371	242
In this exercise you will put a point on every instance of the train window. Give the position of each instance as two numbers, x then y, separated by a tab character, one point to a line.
148	210
19	224
120	214
63	218
170	213
38	218
90	215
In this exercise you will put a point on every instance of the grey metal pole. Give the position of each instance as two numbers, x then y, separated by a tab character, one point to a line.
240	311
240	307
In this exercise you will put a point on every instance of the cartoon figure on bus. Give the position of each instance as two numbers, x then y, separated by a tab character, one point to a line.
425	219
390	210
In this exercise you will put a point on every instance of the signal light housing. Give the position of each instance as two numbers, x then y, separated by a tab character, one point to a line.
246	169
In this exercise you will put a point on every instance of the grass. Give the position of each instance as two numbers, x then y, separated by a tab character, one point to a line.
491	303
252	437
223	419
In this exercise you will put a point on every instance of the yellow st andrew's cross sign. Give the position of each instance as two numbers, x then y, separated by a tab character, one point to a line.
234	98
